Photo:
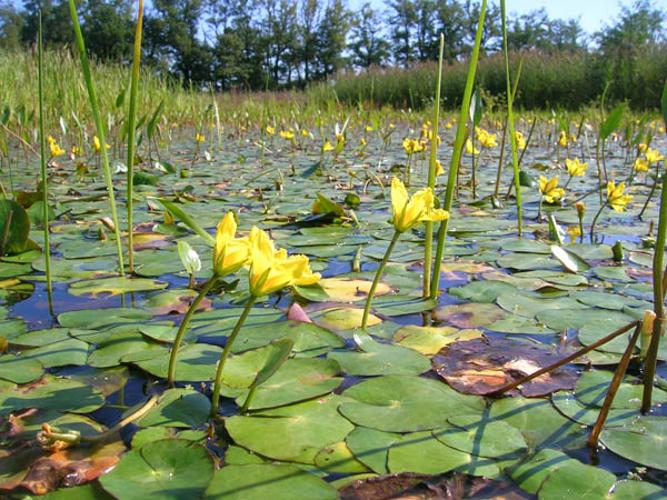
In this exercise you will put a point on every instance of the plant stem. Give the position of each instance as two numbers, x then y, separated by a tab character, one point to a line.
42	155
428	226
510	120
595	219
206	287
92	95
613	388
658	304
650	195
131	120
458	149
376	280
215	400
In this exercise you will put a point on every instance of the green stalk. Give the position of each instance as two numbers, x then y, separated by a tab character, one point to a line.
42	155
658	304
92	95
376	280
184	326
595	219
458	149
428	239
131	124
510	119
215	399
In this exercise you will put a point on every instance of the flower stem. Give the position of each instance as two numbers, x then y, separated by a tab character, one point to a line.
650	195
215	400
595	219
184	326
376	280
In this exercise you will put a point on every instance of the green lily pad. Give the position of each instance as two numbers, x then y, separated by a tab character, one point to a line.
52	393
569	406
97	318
483	291
112	349
529	306
178	408
345	318
262	481
380	359
429	340
577	480
531	473
405	404
469	315
19	370
562	319
114	286
338	459
371	447
482	437
196	362
640	441
294	433
166	469
66	352
592	388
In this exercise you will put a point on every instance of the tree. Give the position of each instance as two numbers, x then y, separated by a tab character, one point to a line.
108	29
402	19
11	24
451	23
56	22
332	38
368	46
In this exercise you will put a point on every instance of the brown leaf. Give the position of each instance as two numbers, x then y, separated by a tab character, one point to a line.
482	366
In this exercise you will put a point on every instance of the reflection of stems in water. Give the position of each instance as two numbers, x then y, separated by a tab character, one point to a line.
215	400
613	388
184	325
565	360
376	280
650	195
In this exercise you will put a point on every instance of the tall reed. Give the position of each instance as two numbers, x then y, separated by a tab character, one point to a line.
101	134
458	149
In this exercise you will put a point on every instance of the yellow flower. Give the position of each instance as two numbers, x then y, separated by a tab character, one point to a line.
615	197
408	212
485	138
412	146
574	232
520	140
75	150
438	168
573	138
56	150
642	147
369	128
550	190
272	270
270	130
287	134
641	165
305	132
362	142
653	156
562	139
200	137
469	148
581	209
327	146
448	125
340	139
229	253
576	168
97	145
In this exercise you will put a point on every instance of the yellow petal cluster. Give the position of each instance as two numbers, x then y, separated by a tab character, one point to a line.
97	145
576	168
200	137
550	190
409	211
521	142
270	130
272	270
229	253
56	150
287	134
615	197
562	139
653	156
470	149
327	146
412	146
485	138
641	165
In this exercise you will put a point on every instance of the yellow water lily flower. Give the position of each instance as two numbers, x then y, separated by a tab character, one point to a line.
56	150
615	197
287	134
653	156
362	142
412	146
272	270
369	128
409	211
562	139
449	125
485	138
550	190
574	232
641	165
576	168
229	253
200	137
97	145
469	148
327	146
75	151
340	139
642	147
270	130
305	132
520	140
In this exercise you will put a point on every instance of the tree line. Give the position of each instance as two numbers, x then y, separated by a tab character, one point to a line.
272	44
